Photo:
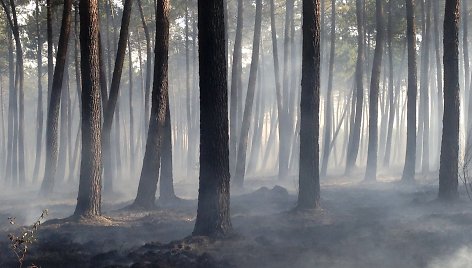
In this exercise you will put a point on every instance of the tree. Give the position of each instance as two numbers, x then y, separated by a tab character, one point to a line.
371	169
354	137
329	94
90	184
236	87
213	217
244	135
47	185
114	92
309	179
39	128
410	157
448	166
146	196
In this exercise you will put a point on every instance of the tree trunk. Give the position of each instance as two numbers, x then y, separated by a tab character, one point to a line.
329	93
148	67
372	151
309	179
448	169
166	190
425	88
213	216
284	119
39	112
146	195
47	185
439	74
90	184
114	92
354	137
131	118
235	86
244	136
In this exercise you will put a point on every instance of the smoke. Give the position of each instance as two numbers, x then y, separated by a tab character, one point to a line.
461	258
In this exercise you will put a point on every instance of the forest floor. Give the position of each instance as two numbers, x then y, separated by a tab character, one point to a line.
383	224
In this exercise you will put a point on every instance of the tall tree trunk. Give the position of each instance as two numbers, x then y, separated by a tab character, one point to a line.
50	48
90	184
448	169
285	124
371	169
47	185
439	74
235	86
244	136
425	88
391	111
166	190
148	67
309	179
146	195
213	216
39	112
131	118
329	93
355	133
114	93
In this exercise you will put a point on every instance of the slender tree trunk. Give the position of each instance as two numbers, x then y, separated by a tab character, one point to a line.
148	67
448	170
213	216
90	184
425	88
12	109
50	48
371	169
309	180
39	112
131	117
166	191
235	86
244	136
114	93
354	137
329	93
284	126
439	75
146	195
47	185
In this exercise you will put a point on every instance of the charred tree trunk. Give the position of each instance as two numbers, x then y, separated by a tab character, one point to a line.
244	136
39	115
371	169
309	180
114	93
90	184
355	135
235	86
213	216
391	97
329	94
166	190
47	185
146	195
448	170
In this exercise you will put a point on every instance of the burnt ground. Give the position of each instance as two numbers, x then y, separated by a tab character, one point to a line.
385	224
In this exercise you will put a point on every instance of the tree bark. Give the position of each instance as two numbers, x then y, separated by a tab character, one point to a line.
448	169
90	184
114	92
329	93
213	216
354	137
244	136
146	195
235	86
47	185
39	112
309	180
